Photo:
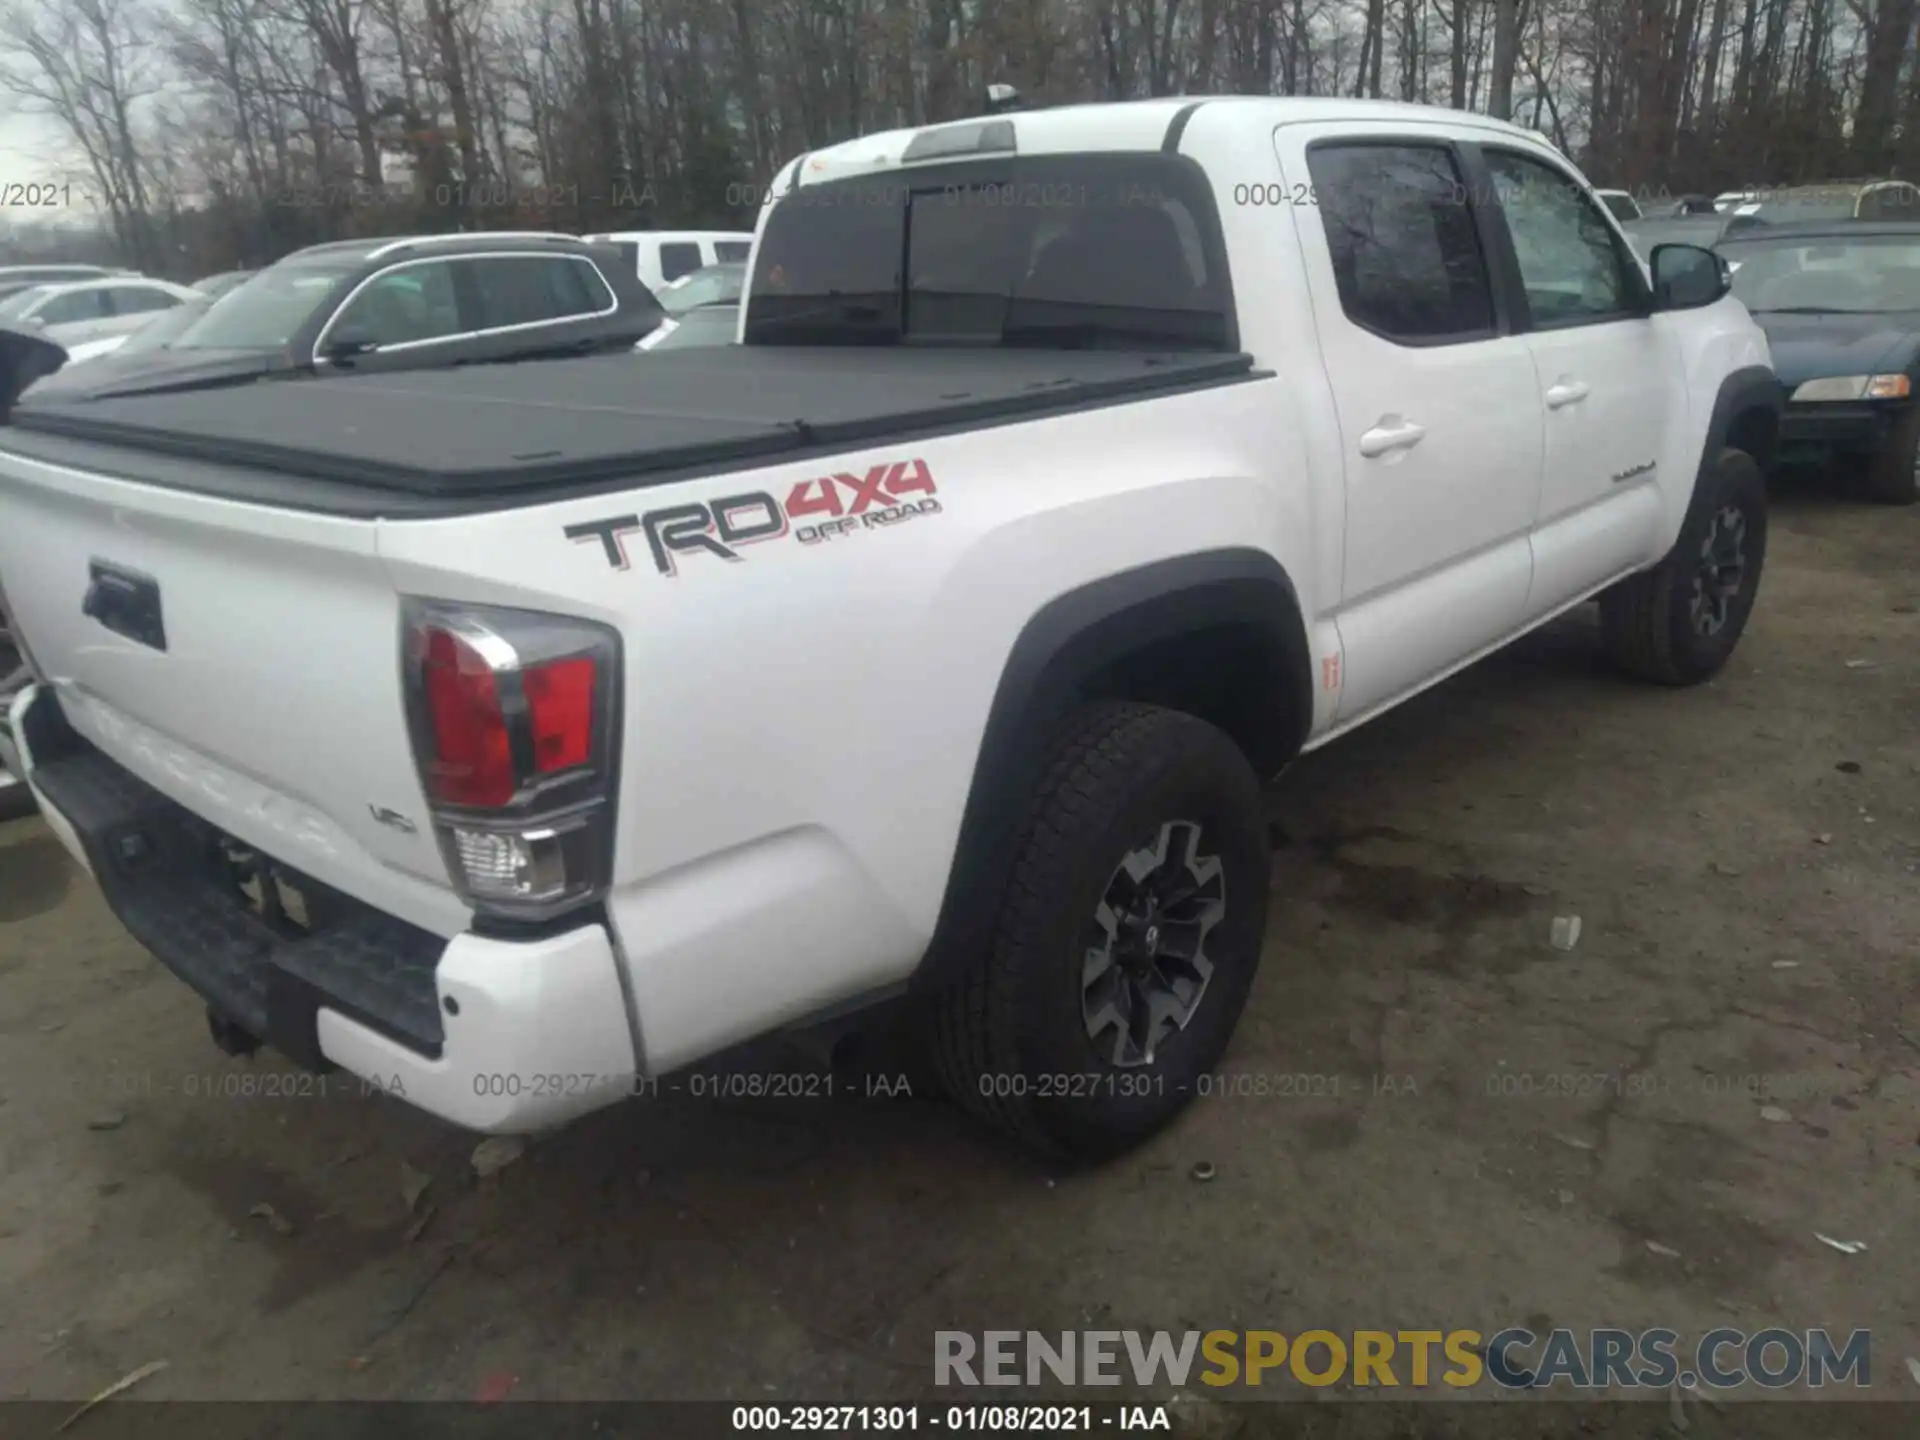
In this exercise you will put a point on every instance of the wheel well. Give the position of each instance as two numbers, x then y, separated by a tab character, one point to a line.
1756	430
1234	676
1217	634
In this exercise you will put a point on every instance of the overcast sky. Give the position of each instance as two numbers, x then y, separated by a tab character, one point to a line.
38	151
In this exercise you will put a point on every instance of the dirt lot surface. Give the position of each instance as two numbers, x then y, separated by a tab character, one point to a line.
1466	1128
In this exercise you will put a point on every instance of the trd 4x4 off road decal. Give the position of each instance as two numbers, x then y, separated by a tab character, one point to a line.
846	504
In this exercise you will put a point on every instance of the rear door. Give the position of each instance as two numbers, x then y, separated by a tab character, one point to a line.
1438	407
1603	368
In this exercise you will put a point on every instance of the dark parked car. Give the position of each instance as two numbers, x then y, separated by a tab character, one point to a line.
1840	302
368	306
1706	231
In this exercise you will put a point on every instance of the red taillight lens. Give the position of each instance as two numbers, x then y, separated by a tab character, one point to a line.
472	763
560	699
515	721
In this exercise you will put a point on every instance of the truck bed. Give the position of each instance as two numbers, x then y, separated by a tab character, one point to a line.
437	442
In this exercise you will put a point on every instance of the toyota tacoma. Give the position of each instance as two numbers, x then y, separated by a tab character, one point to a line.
513	736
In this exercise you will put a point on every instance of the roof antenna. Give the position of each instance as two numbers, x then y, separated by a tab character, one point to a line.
1001	98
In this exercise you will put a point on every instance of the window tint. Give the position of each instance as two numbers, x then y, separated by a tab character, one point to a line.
527	289
415	302
1114	251
1405	253
139	299
1570	266
74	307
677	258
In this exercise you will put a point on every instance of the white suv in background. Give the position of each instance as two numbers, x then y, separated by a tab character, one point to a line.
662	256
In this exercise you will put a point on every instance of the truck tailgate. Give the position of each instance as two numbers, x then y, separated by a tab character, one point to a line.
242	660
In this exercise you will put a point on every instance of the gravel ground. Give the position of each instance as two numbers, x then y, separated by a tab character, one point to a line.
1470	1128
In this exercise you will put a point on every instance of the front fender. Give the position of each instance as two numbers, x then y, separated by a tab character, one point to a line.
1729	373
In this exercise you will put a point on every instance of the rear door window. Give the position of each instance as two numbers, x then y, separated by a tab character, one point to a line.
139	299
677	258
1117	251
1406	256
530	289
74	307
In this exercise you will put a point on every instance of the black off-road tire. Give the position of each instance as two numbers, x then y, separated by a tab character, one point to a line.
1893	476
15	800
1649	623
1012	1040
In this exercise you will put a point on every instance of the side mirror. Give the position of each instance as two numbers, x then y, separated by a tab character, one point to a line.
1686	277
1001	98
347	342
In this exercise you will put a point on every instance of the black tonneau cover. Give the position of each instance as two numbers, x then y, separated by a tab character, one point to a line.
489	433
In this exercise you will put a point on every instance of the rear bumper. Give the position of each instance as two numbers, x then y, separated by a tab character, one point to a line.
494	1035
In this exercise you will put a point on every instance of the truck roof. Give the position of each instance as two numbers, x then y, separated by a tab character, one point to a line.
1131	125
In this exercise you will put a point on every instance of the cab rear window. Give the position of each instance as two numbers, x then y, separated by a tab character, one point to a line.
1119	251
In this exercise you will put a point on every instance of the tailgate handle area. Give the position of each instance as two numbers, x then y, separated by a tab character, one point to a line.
126	602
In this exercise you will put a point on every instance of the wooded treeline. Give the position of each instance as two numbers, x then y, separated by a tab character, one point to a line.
225	132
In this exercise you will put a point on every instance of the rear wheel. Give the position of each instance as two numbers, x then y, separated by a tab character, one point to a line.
1893	476
1677	623
15	798
1125	941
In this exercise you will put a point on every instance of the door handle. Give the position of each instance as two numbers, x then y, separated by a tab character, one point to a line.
1565	393
1392	433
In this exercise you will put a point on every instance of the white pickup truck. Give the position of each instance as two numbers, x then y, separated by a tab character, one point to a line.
510	737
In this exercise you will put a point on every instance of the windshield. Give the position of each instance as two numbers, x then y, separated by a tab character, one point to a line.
161	331
1843	276
715	285
1116	251
264	312
18	303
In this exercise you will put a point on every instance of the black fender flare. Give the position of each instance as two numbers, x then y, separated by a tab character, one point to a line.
1054	666
1751	390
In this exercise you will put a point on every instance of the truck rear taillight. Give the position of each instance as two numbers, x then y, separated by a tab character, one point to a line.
515	719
